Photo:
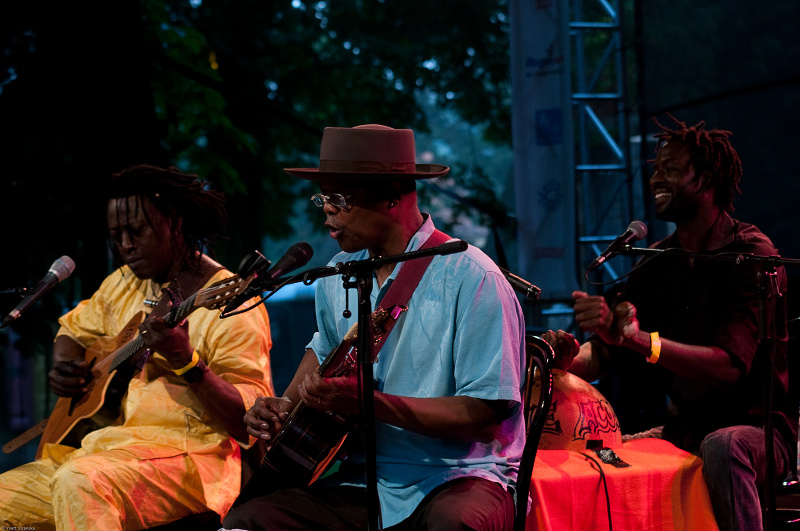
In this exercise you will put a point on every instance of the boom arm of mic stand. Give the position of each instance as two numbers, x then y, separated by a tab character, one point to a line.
353	267
15	291
739	258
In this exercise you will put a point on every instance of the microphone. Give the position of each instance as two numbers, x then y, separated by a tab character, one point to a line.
521	285
296	256
636	231
61	269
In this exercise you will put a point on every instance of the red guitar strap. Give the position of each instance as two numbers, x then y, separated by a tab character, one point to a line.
406	282
281	457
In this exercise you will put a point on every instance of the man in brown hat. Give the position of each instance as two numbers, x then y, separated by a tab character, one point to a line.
449	431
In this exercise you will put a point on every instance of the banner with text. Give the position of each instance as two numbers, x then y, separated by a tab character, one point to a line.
543	145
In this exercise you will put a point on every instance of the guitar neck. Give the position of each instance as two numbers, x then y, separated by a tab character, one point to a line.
175	316
342	359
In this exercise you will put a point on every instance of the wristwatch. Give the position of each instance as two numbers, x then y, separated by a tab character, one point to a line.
195	374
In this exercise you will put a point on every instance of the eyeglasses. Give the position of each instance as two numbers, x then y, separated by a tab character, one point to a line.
337	200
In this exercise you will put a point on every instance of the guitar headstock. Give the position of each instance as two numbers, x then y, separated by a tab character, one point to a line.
221	293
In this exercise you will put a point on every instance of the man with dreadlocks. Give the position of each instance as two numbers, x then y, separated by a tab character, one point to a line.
689	328
175	449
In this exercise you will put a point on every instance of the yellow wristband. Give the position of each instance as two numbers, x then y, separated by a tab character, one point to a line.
189	366
655	348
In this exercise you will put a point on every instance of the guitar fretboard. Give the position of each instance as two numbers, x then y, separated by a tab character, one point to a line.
175	316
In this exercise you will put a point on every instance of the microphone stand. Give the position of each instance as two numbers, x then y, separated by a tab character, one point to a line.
367	395
768	266
362	270
15	291
22	292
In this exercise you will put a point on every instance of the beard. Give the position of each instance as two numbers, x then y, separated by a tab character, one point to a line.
681	207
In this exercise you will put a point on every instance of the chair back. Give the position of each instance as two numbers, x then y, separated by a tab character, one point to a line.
539	357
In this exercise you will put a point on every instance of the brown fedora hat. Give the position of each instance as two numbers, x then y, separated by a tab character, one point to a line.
368	150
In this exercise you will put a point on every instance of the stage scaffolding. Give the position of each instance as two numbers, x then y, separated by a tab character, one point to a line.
571	139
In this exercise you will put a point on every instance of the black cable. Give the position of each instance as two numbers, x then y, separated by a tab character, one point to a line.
605	486
637	265
670	251
273	290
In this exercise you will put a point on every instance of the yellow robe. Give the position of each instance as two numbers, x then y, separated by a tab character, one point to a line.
167	458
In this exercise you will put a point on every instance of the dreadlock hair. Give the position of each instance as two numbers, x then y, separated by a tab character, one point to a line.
713	158
177	196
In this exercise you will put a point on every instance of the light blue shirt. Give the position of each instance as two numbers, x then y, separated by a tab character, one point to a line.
463	335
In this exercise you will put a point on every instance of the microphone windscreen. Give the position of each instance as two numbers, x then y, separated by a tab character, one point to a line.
639	229
62	268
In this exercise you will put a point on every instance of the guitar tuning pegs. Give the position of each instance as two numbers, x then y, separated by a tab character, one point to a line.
254	262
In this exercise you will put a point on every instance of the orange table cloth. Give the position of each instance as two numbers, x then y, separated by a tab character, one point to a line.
663	489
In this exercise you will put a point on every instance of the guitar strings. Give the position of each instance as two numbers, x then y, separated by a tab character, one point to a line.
113	361
127	350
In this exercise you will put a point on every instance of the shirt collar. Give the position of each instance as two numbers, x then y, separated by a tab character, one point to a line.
720	234
417	240
423	233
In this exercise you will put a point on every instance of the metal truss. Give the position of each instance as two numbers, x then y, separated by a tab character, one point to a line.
604	198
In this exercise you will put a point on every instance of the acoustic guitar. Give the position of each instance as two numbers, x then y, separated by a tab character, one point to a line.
310	440
74	417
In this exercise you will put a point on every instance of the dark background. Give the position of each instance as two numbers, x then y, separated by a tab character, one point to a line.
735	65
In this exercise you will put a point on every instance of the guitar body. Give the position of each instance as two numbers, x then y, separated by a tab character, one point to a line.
308	445
111	368
74	417
310	440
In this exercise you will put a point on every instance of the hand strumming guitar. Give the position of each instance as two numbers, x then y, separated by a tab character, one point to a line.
330	394
265	419
70	372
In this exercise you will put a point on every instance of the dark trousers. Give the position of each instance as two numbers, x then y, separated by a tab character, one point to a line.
461	504
735	467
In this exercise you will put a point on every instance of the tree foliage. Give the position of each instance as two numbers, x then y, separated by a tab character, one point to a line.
234	93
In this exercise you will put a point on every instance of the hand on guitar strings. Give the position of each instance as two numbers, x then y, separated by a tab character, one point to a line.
265	419
170	341
338	394
69	378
